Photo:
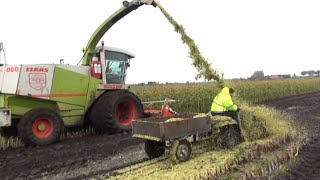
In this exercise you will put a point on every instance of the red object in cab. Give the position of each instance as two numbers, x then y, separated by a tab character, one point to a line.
96	69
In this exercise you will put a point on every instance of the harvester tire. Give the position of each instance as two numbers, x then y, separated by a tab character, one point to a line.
114	111
230	136
154	149
40	127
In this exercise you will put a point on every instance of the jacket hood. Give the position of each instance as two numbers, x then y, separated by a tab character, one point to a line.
225	91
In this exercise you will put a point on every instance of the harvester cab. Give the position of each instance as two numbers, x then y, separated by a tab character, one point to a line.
110	64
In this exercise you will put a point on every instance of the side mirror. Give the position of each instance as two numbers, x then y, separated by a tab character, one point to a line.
127	64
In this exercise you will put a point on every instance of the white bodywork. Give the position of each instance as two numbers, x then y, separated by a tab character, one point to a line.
35	80
32	80
9	76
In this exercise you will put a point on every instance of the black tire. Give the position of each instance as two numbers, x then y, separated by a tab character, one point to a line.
154	149
114	111
181	150
230	136
40	127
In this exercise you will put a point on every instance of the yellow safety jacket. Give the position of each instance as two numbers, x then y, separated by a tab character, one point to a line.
223	102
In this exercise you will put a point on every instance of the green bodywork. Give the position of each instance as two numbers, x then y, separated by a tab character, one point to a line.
19	105
71	108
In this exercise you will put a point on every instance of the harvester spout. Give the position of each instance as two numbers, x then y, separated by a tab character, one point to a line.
148	2
108	23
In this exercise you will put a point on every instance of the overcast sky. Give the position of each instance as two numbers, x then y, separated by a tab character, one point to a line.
237	36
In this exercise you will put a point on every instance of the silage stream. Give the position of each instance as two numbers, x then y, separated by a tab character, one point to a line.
204	68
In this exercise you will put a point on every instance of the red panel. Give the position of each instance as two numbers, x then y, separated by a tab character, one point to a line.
58	95
96	69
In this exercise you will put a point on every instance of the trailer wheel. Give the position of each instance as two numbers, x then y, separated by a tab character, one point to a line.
230	136
40	127
154	149
180	150
114	111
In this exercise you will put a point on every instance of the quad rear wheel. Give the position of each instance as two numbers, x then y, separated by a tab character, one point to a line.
40	127
230	136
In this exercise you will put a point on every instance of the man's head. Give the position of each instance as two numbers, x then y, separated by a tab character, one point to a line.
232	92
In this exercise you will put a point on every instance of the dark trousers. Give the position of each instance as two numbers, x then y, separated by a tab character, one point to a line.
232	114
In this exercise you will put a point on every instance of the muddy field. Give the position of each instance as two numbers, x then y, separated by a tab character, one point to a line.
87	157
306	113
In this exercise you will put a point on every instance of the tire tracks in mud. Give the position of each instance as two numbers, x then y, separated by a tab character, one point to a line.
65	156
305	110
308	166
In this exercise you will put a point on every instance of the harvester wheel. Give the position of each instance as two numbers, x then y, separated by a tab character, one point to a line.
230	136
40	127
114	111
154	149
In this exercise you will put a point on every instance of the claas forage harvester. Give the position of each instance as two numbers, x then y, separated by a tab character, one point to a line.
39	100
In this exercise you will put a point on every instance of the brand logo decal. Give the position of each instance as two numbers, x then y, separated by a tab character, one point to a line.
37	81
37	69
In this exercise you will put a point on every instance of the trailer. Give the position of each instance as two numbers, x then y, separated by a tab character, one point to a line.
172	133
179	132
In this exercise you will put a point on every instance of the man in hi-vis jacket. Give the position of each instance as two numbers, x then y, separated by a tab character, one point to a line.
223	105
